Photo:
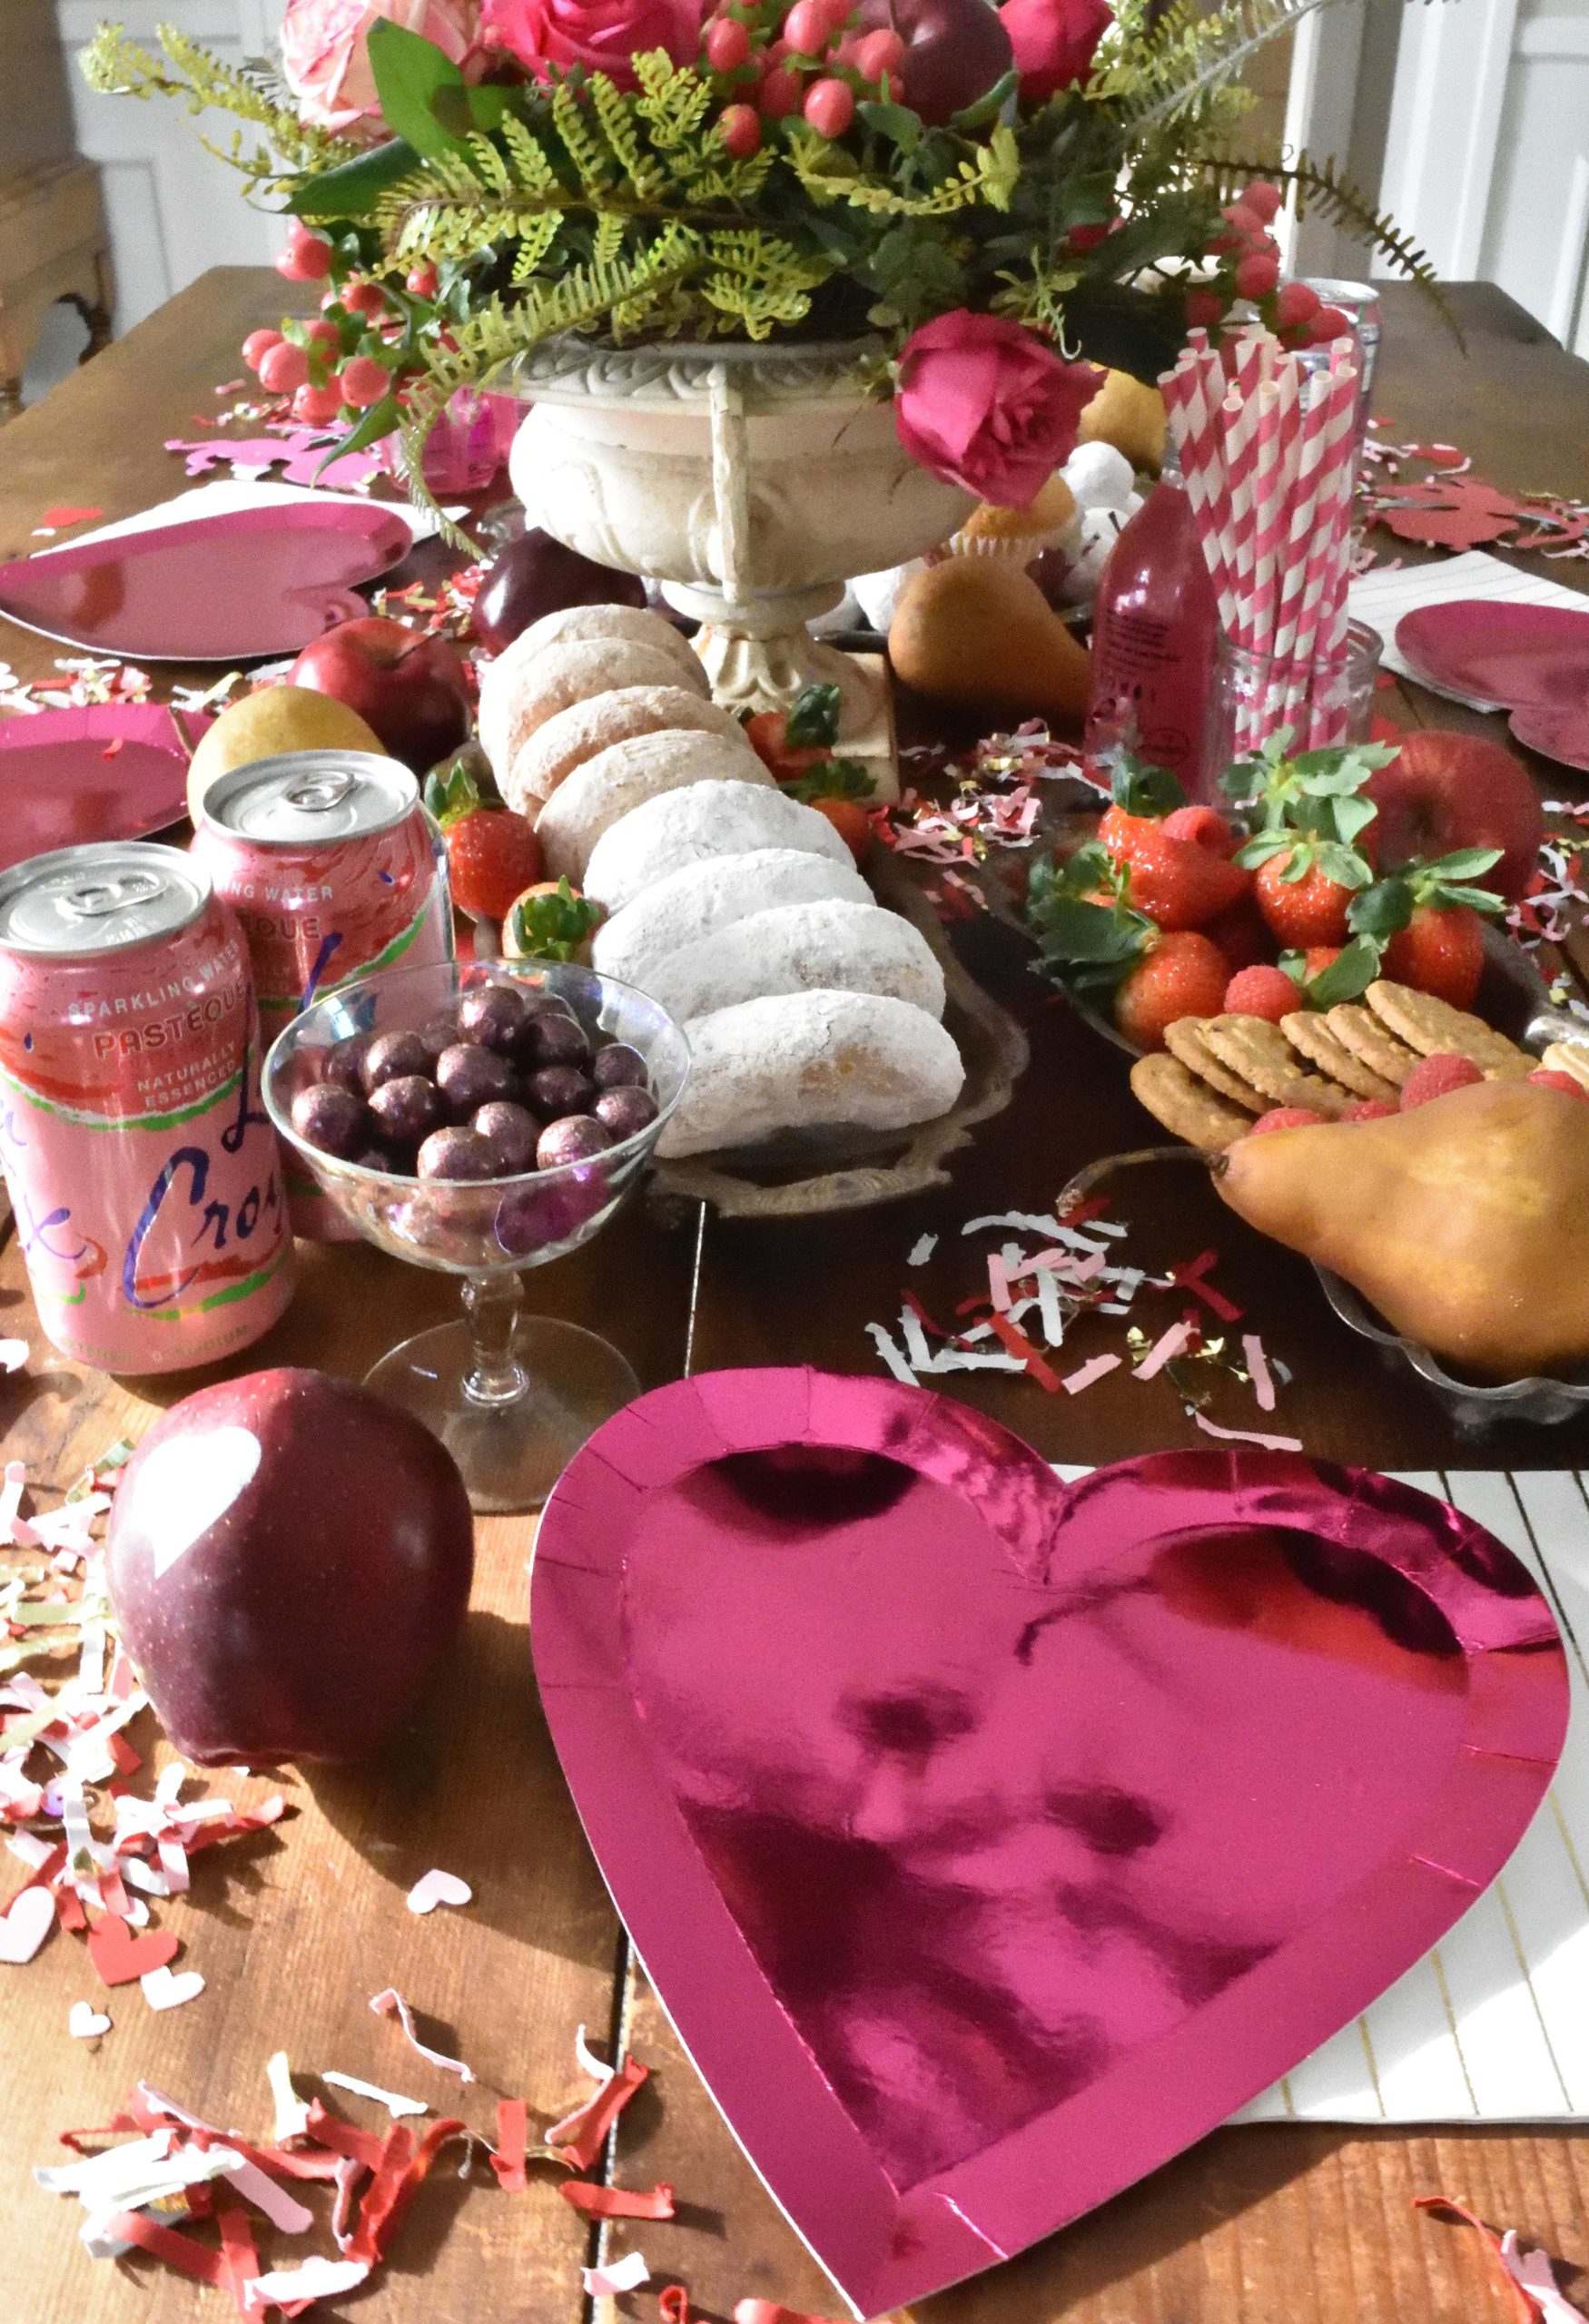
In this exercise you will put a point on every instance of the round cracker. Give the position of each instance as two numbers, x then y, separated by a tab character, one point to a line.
1312	1039
554	751
1184	1040
1187	1106
1259	1052
562	675
1358	1031
1435	1029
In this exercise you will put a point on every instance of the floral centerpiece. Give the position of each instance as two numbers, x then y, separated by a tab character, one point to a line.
991	199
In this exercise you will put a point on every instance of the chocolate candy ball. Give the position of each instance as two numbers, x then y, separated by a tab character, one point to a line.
556	1039
344	1062
535	1215
406	1109
574	1138
331	1119
618	1067
559	1089
376	1158
511	1132
438	1033
457	1154
492	1015
392	1054
469	1078
624	1112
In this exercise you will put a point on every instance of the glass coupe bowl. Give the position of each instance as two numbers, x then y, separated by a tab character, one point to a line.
512	1397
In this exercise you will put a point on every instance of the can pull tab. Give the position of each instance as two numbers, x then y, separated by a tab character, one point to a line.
320	792
97	898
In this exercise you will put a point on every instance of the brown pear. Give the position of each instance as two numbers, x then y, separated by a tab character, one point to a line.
1465	1222
978	631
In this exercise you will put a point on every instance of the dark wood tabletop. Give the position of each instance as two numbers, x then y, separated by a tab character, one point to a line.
1276	2224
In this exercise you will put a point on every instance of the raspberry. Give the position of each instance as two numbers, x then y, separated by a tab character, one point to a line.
1366	1110
1257	274
1567	1083
1205	827
727	44
1437	1077
283	367
742	130
1261	992
1183	976
1296	303
493	855
1286	1117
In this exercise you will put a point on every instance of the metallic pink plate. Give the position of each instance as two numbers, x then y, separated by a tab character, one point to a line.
225	588
989	1840
117	770
1510	654
1557	730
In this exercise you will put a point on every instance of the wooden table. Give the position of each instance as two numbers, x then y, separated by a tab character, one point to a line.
293	1931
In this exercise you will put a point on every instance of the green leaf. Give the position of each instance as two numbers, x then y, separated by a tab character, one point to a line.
1466	864
1267	845
987	107
1143	790
452	791
1381	909
378	421
1476	899
833	778
813	720
1343	866
1081	932
353	189
1352	816
1351	972
409	71
551	926
896	122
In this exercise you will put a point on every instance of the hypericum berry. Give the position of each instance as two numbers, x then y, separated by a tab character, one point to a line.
364	380
364	299
1088	238
779	95
1286	1117
1257	274
830	106
1247	222
423	281
727	44
283	367
307	257
317	407
258	345
879	53
1330	322
742	130
807	27
324	330
1296	303
1437	1077
1264	198
1204	308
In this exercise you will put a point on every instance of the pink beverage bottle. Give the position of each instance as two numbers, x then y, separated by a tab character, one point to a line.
336	872
141	1167
1154	630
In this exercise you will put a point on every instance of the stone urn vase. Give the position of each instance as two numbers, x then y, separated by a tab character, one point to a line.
753	482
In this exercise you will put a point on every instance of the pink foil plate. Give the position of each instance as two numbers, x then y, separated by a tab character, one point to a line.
224	588
117	770
988	1839
1557	730
1514	655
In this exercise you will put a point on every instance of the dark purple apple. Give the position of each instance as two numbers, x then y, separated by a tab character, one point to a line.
955	50
536	575
260	1526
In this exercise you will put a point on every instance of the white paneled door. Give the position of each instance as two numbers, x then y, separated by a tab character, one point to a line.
1487	153
172	209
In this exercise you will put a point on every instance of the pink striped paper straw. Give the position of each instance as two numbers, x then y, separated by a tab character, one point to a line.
1335	454
1192	428
1238	419
1276	401
1303	514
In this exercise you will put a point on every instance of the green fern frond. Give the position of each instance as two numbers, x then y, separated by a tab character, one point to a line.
761	280
827	175
583	148
537	236
621	129
673	102
1164	68
609	239
116	66
529	156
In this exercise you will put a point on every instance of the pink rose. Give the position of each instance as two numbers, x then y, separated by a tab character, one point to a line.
603	35
1053	41
326	63
983	403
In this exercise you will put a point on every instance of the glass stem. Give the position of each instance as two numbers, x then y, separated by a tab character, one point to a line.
492	1303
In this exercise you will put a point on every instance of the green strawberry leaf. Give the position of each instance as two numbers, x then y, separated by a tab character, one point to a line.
1265	845
1351	972
1143	790
1466	864
1381	909
1070	931
1352	815
812	719
1344	865
833	778
551	926
1476	899
452	791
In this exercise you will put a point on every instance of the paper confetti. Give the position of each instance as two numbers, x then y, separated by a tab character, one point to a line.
391	2003
164	1989
86	2024
396	2105
433	1888
1074	1382
616	2203
313	2279
1528	2276
1263	1386
1174	1342
1248	1436
627	2274
579	2136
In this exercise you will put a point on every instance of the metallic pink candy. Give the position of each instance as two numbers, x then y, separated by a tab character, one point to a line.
990	1840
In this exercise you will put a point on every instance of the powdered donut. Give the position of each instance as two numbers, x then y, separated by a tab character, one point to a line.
616	780
833	946
806	1059
574	624
688	826
526	697
577	733
702	898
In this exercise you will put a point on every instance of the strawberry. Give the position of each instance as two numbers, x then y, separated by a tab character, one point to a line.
790	743
1261	992
839	788
1182	975
1441	951
1240	933
1176	883
493	855
1204	827
1319	957
1305	910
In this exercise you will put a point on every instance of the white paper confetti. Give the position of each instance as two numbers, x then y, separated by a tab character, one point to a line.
316	2279
433	1888
13	1354
389	2003
888	1350
1248	1436
166	1988
627	2274
1074	1382
396	2105
292	2111
86	2024
920	1250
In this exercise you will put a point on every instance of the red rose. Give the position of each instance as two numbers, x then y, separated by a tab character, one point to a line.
984	404
1053	41
604	35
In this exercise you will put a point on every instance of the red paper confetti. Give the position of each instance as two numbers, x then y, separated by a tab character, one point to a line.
578	2138
1016	1341
1526	2308
1189	1276
58	517
673	2303
512	2131
167	2243
618	2203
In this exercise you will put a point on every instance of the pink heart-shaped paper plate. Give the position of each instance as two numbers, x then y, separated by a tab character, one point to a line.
225	588
1557	730
1497	652
115	771
990	1839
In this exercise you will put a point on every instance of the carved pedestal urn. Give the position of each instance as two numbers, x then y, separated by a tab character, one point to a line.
753	482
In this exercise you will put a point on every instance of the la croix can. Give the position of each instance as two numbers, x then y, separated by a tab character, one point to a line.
336	872
143	1169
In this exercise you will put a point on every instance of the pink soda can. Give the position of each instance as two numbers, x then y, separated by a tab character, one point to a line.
336	872
143	1169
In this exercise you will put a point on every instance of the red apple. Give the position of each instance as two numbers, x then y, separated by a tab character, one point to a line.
411	688
288	1556
1443	792
536	575
955	50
